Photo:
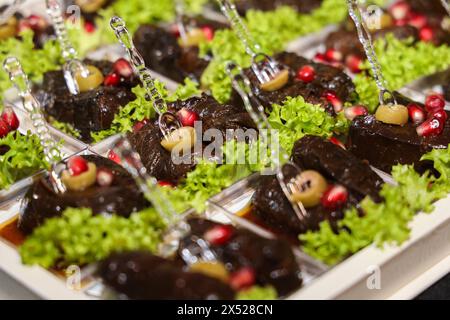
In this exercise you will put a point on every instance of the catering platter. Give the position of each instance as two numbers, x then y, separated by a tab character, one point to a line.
353	206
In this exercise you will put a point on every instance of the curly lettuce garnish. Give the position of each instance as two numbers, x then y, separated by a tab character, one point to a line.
258	293
402	62
272	30
209	178
79	237
140	108
386	222
35	62
25	156
296	118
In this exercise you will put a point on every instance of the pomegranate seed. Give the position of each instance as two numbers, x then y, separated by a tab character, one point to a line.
333	55
77	165
400	22
112	80
208	32
354	63
320	57
89	27
187	117
337	142
434	102
441	115
10	118
430	127
355	111
123	68
219	234
24	25
36	22
329	94
139	125
163	183
175	30
4	129
306	73
114	157
334	100
105	177
426	34
399	10
417	20
335	197
416	113
243	278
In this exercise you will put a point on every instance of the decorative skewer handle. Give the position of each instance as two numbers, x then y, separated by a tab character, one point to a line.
55	13
131	161
124	37
242	84
179	9
68	52
229	10
366	41
10	10
446	6
20	80
177	229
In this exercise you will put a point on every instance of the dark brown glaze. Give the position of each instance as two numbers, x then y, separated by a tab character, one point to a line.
144	276
123	197
336	165
315	153
88	111
345	40
303	6
431	7
272	259
384	145
157	160
327	78
163	54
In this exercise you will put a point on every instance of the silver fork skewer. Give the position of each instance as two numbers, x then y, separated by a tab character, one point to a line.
10	11
446	6
270	69
167	120
242	85
366	40
72	64
179	9
52	153
177	227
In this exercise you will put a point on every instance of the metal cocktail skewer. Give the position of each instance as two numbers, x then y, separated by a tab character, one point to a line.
10	10
446	6
168	122
270	68
177	227
366	40
52	153
242	85
179	9
72	64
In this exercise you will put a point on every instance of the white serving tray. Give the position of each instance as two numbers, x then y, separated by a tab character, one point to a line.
405	271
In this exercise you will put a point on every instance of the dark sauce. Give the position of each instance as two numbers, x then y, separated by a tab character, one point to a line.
11	233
